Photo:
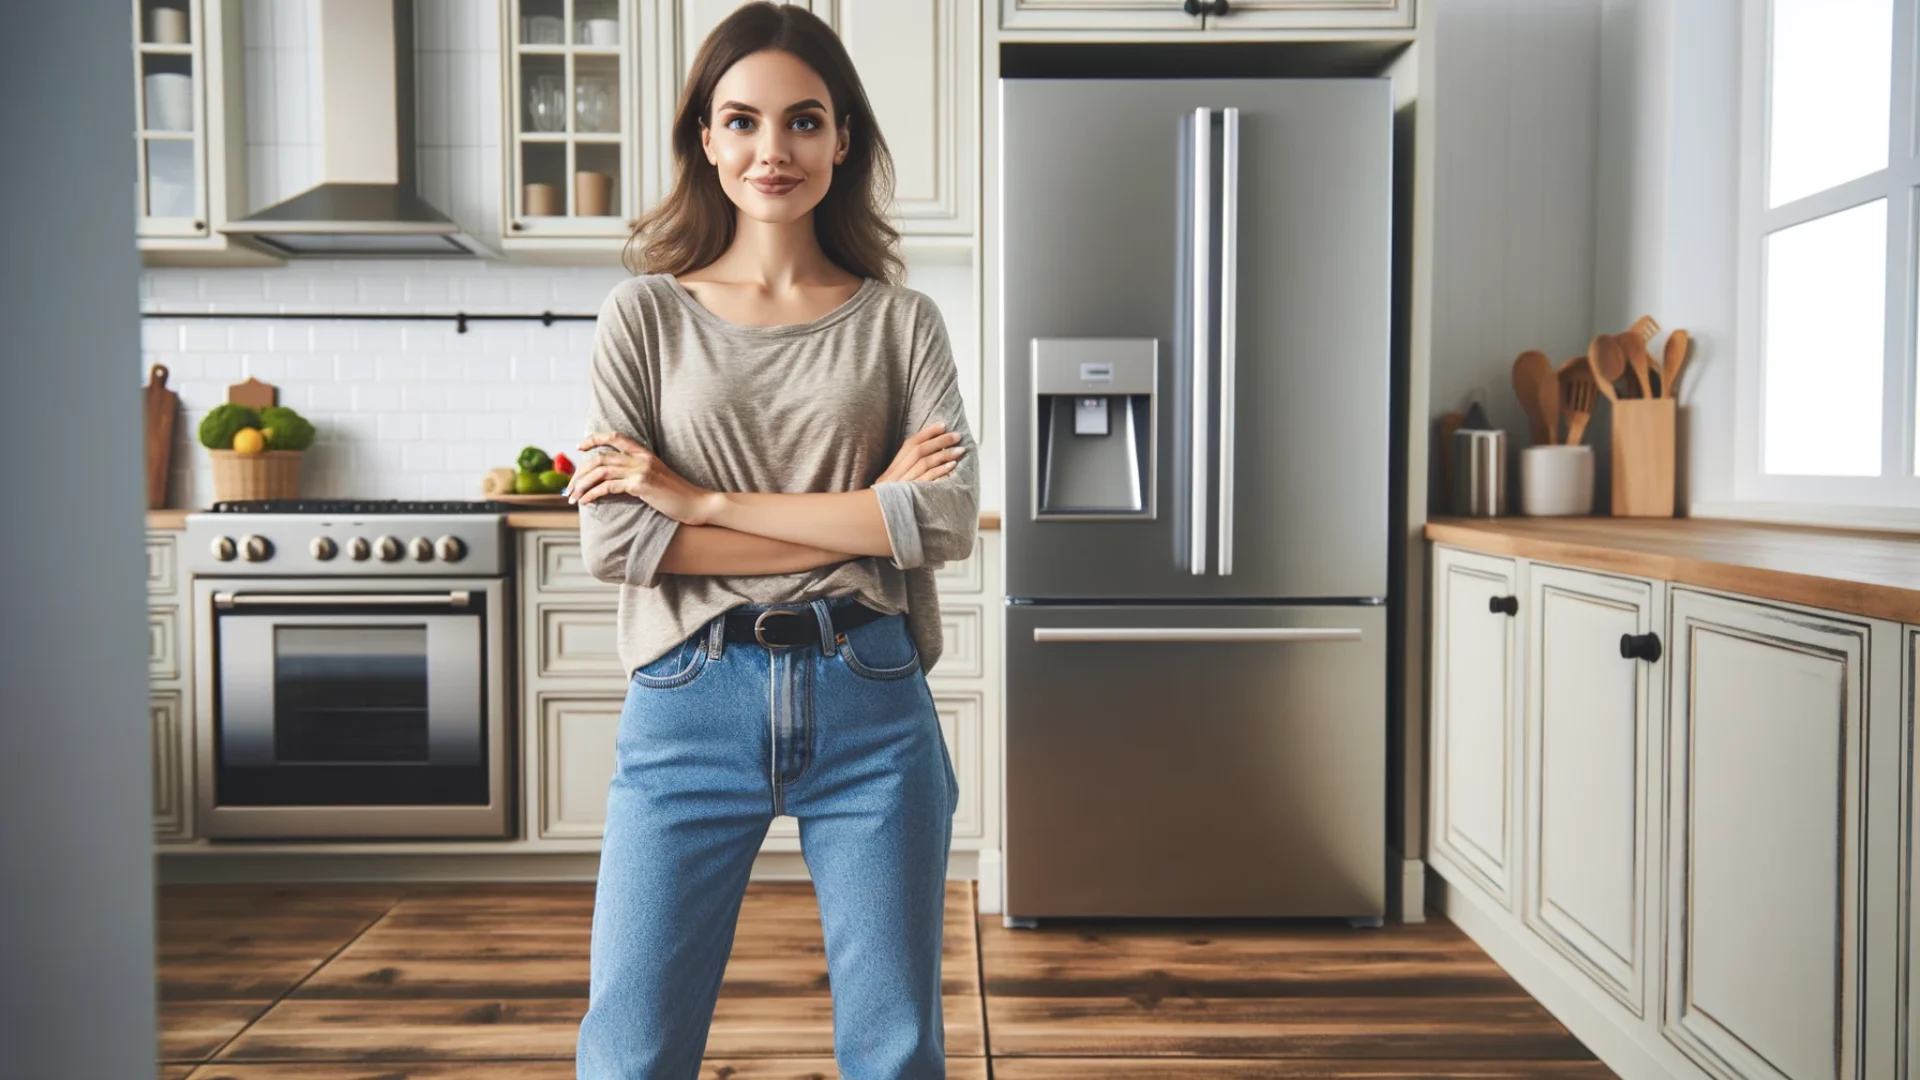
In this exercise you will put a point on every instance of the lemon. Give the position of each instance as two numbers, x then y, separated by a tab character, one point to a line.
249	441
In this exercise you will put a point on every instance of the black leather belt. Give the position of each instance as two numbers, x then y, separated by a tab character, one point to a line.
793	626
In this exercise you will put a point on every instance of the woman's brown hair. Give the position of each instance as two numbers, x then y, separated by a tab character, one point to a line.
694	224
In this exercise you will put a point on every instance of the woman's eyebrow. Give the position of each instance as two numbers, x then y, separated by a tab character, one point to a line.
798	106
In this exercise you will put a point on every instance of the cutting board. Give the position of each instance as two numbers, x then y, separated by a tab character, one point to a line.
161	405
253	393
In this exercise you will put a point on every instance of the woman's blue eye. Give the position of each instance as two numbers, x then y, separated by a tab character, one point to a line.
742	119
812	124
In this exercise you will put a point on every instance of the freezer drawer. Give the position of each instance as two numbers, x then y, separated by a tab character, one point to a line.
1195	760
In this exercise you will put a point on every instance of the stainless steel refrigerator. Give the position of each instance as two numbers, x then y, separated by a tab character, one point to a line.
1196	317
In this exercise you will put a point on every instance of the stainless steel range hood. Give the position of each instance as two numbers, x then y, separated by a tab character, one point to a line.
365	203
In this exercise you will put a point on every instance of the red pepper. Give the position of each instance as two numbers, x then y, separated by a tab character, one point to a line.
560	462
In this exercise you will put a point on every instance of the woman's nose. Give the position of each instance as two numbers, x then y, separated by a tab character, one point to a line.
773	146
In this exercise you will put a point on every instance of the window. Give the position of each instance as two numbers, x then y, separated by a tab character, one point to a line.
1830	208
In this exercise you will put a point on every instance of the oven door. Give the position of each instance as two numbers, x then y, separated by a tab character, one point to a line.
352	708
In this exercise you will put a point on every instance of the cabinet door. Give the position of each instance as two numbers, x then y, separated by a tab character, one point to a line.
1097	15
1590	749
576	762
915	58
571	79
1764	888
164	714
1476	717
1313	15
1910	915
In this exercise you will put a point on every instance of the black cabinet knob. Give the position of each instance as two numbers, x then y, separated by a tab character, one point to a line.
1640	647
1204	7
1504	605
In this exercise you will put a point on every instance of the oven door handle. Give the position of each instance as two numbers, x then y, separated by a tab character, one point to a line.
457	598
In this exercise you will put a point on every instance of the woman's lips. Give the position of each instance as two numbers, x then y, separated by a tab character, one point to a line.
774	186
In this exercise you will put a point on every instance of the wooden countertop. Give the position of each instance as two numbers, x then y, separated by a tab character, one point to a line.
570	519
523	519
1876	574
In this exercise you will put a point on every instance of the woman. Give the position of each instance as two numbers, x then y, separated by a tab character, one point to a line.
783	461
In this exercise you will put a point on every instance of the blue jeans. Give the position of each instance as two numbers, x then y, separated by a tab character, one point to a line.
717	738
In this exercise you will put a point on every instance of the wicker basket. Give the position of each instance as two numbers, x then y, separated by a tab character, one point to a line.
270	474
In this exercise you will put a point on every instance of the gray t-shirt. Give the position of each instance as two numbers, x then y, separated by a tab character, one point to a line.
815	406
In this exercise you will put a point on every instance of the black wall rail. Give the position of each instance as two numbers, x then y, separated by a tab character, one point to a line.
460	319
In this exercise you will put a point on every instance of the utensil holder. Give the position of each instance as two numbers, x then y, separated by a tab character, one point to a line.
270	474
1643	457
1556	481
1479	481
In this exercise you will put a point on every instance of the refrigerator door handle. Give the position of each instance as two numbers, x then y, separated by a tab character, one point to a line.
1187	634
1229	323
1202	307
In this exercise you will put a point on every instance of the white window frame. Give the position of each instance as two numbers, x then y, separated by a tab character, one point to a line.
1898	486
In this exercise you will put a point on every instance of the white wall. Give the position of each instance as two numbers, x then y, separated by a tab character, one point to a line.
1516	122
411	410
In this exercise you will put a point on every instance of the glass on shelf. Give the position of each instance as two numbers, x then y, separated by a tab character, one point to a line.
596	98
165	24
543	175
596	180
170	186
543	93
543	22
167	86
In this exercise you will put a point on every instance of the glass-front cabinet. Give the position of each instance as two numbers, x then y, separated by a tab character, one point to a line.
573	112
189	125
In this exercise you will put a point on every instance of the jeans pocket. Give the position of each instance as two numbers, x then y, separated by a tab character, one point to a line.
676	667
882	650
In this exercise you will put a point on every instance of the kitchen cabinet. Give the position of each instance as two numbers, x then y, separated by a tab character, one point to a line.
1238	15
1476	717
576	75
169	734
1592	771
572	691
916	60
1717	808
189	130
1765	836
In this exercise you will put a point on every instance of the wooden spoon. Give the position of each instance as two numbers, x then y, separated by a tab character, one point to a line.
1606	363
1532	378
1670	364
1576	397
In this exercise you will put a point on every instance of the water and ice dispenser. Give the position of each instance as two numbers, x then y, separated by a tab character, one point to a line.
1093	425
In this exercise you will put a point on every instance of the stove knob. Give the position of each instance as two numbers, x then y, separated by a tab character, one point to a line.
223	548
358	549
421	549
452	549
323	548
256	548
389	549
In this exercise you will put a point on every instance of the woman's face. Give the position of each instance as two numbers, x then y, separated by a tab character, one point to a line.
772	136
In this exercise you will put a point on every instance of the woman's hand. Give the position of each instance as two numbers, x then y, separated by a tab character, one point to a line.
627	468
928	454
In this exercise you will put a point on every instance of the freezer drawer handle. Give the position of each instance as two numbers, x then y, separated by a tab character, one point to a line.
1278	634
457	599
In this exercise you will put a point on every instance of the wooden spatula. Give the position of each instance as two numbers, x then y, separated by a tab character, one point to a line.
161	405
1671	362
1576	397
1607	364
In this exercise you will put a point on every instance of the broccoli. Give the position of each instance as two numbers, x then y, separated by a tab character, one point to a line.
217	429
286	429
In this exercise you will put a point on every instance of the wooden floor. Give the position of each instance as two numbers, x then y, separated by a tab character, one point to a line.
488	982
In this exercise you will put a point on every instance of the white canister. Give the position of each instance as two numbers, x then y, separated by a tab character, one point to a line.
169	101
167	25
1556	481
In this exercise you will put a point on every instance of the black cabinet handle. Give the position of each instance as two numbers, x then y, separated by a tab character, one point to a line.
1203	7
1504	605
1640	647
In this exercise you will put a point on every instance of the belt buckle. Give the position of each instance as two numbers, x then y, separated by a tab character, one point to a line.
759	626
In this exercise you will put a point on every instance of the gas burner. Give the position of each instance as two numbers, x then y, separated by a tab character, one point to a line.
358	506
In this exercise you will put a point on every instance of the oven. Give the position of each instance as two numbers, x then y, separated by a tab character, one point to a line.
348	708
